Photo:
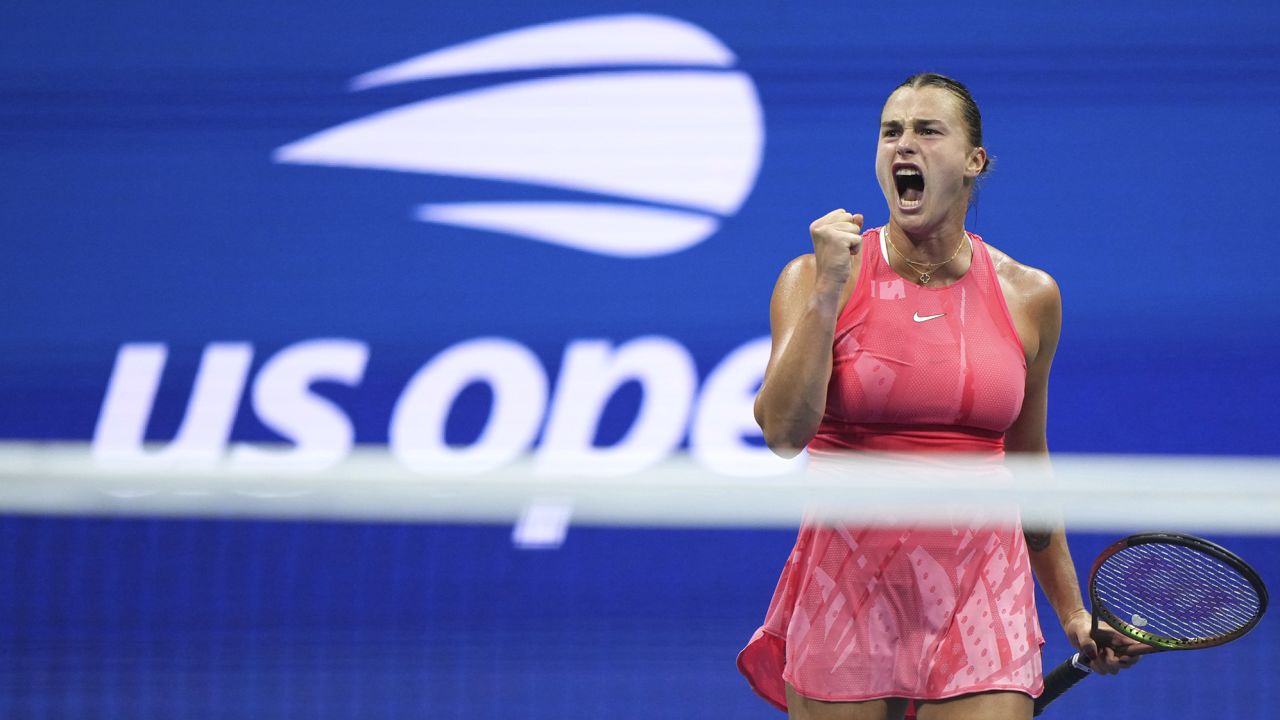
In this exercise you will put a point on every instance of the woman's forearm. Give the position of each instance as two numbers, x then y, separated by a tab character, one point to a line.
1052	564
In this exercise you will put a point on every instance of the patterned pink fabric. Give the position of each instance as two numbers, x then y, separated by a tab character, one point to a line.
902	610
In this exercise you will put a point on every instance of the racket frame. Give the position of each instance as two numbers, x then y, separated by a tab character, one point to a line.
1101	611
1076	668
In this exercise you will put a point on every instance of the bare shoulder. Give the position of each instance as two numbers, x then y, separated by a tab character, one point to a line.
800	268
1029	286
796	282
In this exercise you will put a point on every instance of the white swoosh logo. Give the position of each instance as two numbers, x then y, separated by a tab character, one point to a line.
621	40
690	140
631	230
921	318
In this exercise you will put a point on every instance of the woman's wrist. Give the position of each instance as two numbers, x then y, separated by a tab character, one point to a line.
1066	619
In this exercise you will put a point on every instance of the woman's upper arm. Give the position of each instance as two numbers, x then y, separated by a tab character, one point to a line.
790	293
1043	300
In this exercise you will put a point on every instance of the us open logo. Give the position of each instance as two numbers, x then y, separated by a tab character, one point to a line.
645	137
662	129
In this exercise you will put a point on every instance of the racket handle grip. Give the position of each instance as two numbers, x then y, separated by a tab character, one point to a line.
1060	680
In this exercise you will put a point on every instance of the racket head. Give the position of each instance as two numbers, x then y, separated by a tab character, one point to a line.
1175	591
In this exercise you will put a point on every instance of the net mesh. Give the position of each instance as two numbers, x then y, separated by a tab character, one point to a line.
366	592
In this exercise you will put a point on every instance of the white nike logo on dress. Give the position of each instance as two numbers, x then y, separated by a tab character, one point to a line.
918	318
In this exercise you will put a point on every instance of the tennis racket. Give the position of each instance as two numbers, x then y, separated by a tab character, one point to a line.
1170	591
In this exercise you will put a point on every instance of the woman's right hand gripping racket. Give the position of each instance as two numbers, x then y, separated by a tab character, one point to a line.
1169	591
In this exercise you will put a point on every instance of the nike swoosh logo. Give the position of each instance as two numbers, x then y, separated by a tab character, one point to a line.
918	318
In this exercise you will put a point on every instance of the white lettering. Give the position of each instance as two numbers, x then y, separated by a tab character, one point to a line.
725	415
592	371
321	432
591	374
206	426
519	386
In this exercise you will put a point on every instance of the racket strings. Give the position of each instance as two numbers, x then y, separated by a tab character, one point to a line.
1149	618
1175	591
1198	592
1191	590
1168	613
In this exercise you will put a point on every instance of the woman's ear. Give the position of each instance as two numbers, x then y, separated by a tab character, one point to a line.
977	162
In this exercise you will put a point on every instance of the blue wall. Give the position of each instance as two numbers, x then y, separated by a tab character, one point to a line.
140	204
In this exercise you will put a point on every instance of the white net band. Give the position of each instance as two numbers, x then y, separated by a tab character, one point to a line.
1191	494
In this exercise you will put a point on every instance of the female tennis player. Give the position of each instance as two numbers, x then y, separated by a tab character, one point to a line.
915	336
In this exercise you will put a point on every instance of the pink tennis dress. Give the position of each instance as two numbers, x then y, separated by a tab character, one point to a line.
904	610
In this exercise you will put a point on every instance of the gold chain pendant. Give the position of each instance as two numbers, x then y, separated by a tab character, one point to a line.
924	278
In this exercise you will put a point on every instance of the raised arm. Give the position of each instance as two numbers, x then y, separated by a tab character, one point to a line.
808	297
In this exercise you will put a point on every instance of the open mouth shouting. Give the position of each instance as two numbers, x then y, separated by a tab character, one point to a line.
909	183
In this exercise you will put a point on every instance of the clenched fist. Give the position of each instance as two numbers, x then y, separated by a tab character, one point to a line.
837	237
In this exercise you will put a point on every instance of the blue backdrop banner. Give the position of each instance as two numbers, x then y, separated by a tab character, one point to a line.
266	233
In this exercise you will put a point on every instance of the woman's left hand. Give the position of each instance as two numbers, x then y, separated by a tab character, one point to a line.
1107	650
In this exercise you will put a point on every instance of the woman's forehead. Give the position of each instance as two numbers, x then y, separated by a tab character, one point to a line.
909	104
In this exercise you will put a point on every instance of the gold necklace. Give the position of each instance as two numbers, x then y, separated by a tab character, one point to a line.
925	269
